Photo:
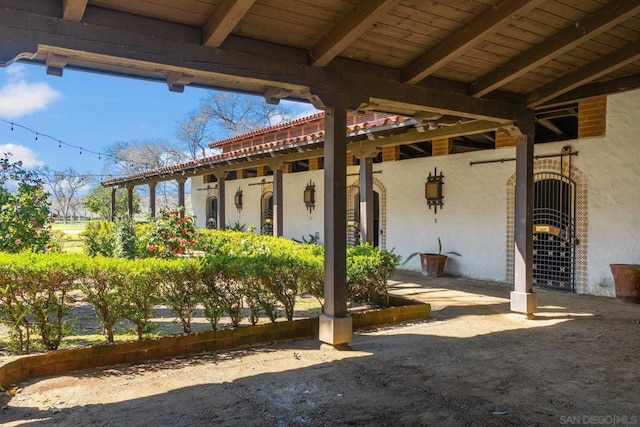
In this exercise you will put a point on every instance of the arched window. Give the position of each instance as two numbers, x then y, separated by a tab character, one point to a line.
212	212
266	213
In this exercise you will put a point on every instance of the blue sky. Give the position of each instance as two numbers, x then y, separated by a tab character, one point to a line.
87	110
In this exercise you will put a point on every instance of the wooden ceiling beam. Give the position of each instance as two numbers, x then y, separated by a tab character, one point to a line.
586	74
592	90
73	10
468	36
153	54
605	19
348	30
224	20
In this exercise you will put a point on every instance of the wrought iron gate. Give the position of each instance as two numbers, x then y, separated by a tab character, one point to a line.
554	236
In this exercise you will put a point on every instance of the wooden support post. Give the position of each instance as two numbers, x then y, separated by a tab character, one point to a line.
113	203
181	182
278	204
222	178
152	198
523	300
335	324
130	200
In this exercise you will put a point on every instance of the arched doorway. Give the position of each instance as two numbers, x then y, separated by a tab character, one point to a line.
212	212
554	236
266	213
353	220
574	185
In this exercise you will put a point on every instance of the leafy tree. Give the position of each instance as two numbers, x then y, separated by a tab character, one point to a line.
223	114
24	209
98	201
65	185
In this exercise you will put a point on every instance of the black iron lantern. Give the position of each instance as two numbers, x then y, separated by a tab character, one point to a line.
237	199
433	190
309	196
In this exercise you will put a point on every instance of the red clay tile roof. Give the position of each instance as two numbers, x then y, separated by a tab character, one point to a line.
268	129
308	140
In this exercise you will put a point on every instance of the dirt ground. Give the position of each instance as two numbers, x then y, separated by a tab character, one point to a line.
473	364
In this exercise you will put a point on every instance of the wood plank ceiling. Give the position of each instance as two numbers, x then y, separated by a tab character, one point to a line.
406	56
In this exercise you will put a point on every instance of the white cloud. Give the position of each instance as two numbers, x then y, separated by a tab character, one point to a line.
22	153
18	97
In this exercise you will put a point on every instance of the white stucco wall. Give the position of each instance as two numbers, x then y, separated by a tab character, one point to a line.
473	219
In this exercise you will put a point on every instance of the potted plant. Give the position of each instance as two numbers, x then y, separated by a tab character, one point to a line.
626	278
432	264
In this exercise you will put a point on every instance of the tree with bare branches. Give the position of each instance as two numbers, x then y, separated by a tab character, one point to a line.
224	114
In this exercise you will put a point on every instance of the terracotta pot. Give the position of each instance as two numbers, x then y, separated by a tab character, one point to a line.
627	280
433	264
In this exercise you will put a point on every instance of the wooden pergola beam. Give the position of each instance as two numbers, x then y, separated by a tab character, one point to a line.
73	10
224	20
574	35
148	56
586	74
348	30
490	22
592	90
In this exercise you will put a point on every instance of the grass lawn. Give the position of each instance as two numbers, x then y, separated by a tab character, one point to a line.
71	240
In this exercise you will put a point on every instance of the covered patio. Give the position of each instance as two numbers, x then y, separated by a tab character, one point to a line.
489	62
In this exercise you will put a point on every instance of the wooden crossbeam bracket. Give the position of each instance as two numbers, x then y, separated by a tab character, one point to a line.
55	64
177	81
273	95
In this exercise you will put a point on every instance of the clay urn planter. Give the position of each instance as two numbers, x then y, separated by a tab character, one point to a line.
626	278
432	264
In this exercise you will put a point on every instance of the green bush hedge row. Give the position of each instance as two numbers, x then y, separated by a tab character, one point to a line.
235	270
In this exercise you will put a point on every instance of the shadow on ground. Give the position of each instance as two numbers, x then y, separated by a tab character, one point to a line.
477	364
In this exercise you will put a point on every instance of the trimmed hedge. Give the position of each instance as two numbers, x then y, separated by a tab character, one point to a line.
240	270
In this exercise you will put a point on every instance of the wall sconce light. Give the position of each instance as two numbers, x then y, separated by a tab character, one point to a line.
309	196
433	190
237	199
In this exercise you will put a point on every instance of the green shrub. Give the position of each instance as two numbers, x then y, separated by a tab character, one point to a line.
225	287
173	235
368	272
181	287
13	309
99	238
25	223
279	275
124	238
44	282
311	258
102	286
139	293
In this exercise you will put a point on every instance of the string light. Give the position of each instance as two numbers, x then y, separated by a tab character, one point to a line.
66	144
